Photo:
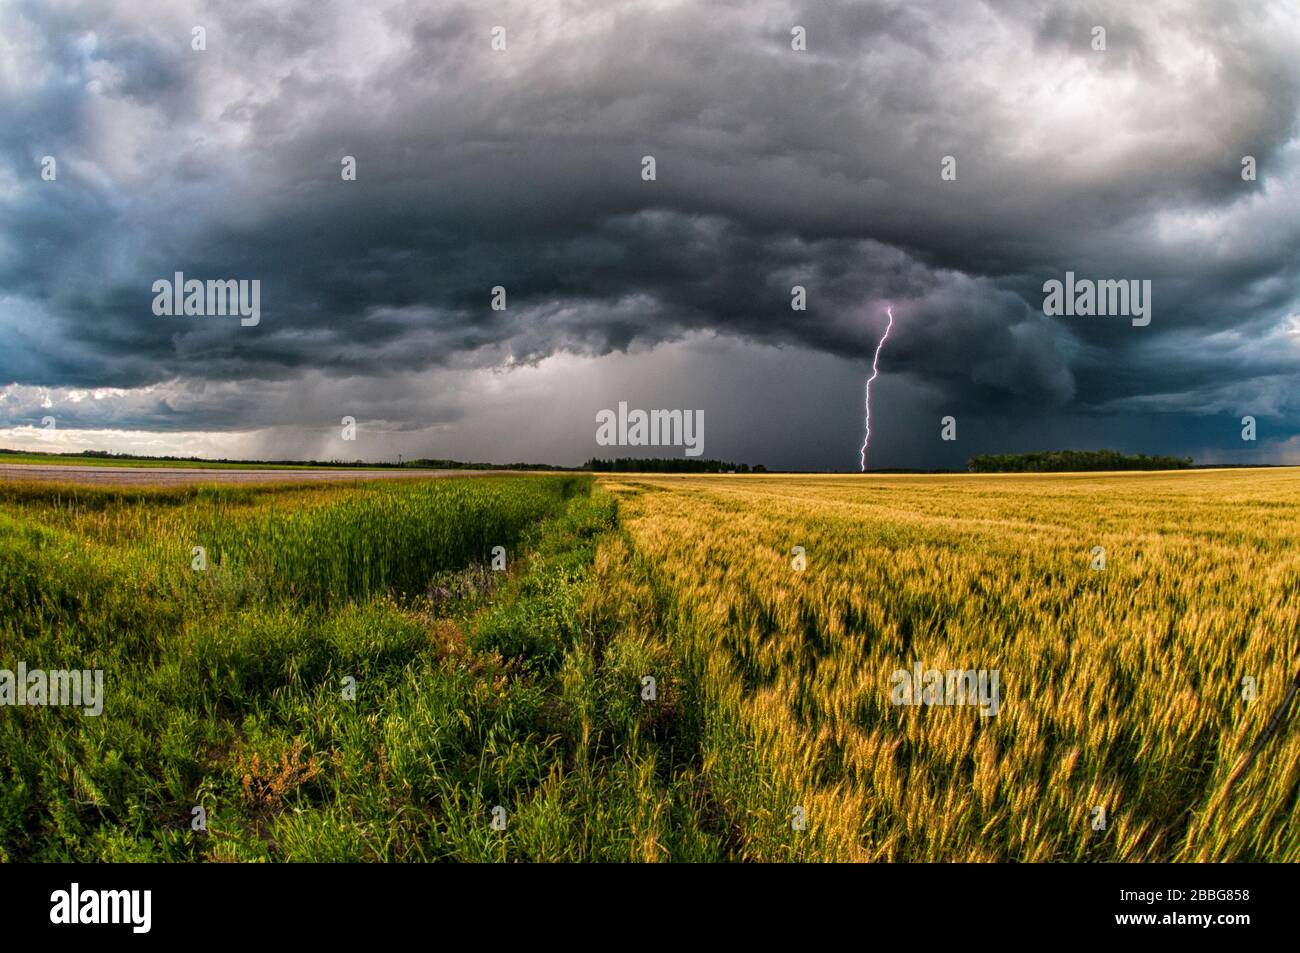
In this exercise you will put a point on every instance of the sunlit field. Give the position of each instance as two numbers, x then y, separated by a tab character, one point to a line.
655	668
1121	687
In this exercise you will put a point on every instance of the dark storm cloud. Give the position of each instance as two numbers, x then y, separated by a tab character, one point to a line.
522	169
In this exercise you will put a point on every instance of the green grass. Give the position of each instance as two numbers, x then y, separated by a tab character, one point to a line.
226	687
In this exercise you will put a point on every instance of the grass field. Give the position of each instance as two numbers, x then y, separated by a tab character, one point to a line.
347	677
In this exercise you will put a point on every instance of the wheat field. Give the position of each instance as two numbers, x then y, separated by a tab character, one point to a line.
664	668
1126	685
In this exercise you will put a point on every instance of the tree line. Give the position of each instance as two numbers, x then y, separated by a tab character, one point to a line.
1062	460
668	465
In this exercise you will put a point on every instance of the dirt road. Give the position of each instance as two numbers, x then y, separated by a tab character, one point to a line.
185	476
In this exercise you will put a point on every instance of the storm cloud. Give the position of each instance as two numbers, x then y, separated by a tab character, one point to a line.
522	168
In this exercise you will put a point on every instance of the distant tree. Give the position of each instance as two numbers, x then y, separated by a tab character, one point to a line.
1059	461
664	465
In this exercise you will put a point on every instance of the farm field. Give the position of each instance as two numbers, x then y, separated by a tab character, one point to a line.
62	460
1121	688
654	673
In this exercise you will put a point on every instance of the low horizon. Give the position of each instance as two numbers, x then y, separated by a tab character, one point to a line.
753	468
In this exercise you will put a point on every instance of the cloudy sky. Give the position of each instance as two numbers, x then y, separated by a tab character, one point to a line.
523	168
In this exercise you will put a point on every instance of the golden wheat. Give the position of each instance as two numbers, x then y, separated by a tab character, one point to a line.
1122	688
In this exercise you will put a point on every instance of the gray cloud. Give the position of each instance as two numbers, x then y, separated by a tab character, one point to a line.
775	168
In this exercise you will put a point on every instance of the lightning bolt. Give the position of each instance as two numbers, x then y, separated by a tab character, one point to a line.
874	374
